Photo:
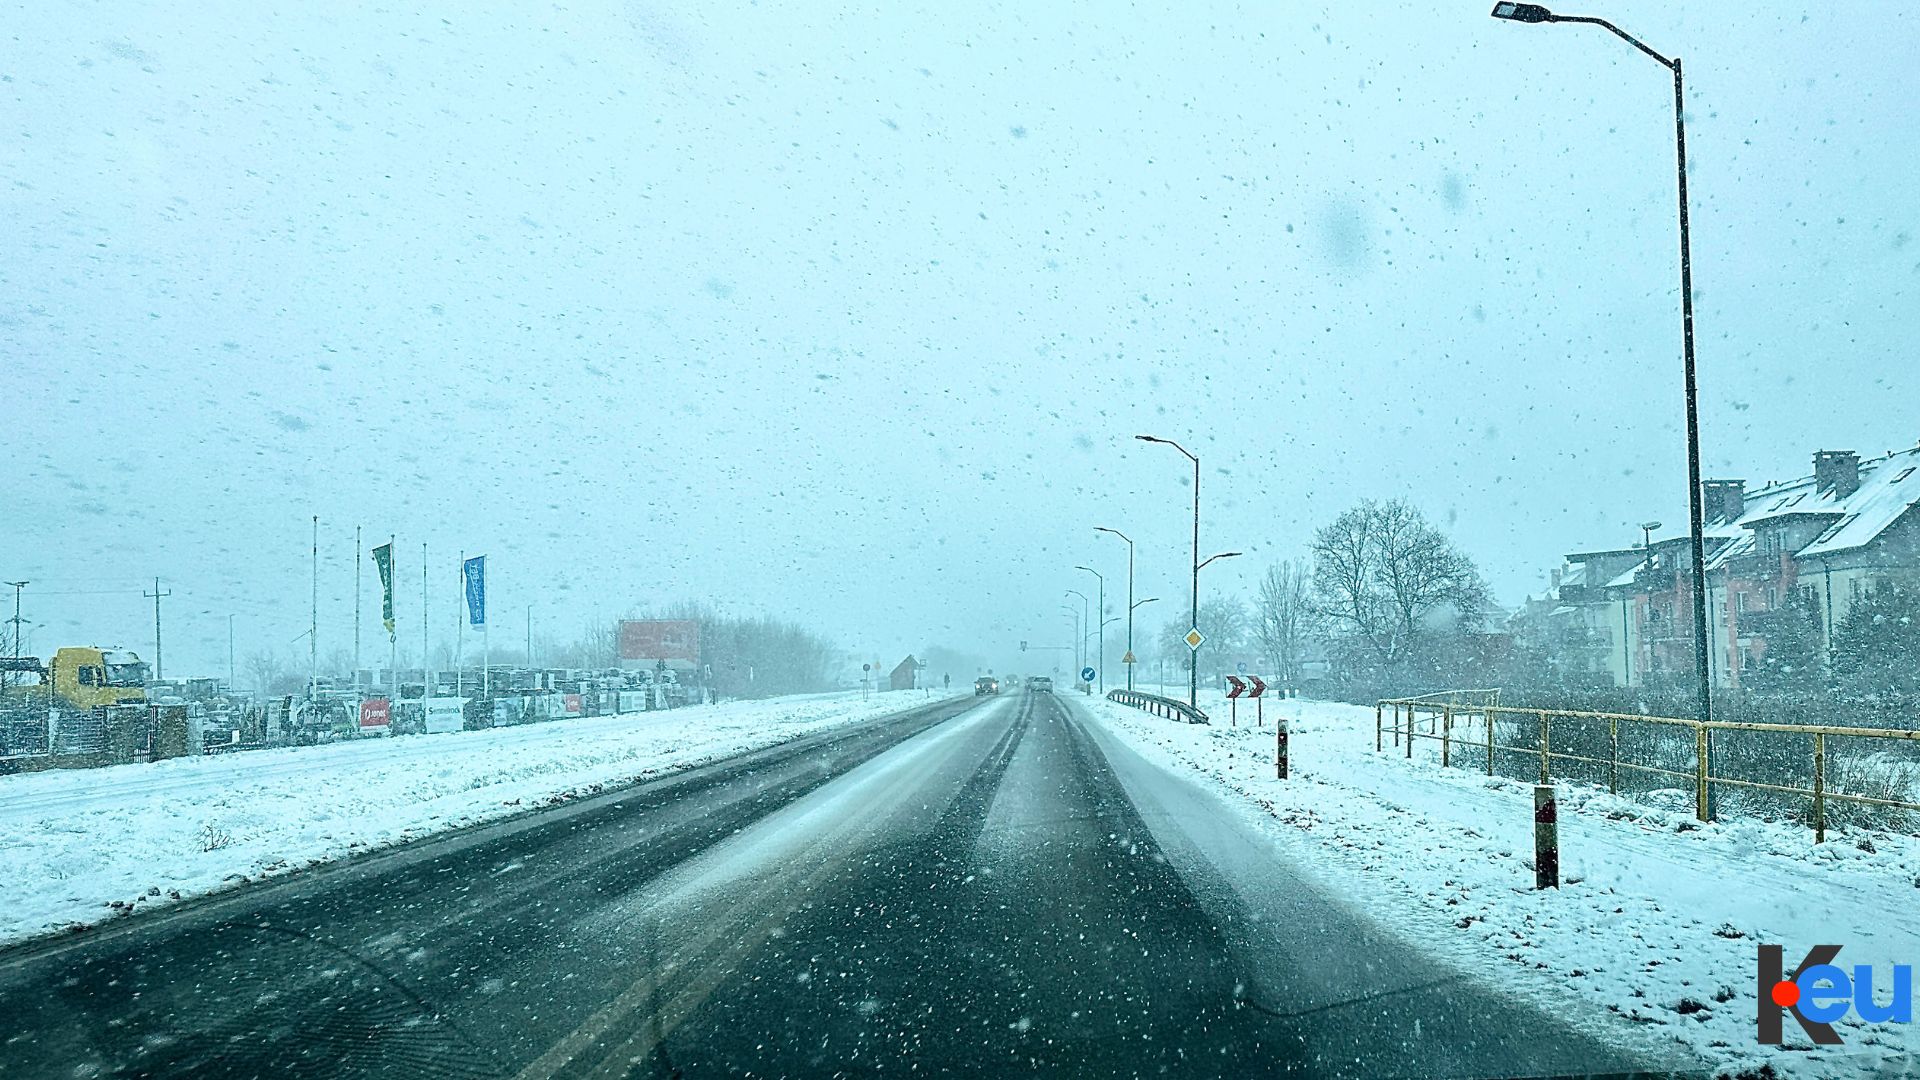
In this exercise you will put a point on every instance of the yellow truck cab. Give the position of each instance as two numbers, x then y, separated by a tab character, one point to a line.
86	678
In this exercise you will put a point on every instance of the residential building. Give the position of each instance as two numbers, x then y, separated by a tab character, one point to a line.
1785	560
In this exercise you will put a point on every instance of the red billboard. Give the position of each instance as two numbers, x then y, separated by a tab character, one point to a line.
375	712
676	641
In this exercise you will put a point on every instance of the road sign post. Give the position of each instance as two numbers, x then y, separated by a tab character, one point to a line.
1087	675
1252	686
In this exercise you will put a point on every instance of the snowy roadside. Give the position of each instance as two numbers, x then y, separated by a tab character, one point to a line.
1658	920
83	846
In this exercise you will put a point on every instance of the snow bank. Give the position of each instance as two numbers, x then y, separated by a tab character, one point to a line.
1658	917
81	846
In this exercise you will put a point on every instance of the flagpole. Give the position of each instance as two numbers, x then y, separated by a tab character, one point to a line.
313	627
356	607
393	638
425	679
486	642
460	632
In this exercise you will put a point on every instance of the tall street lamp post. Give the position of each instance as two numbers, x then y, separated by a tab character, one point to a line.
1100	666
1130	604
1210	558
1193	650
1084	622
1535	13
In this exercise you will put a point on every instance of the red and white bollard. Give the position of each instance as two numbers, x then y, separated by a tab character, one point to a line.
1280	748
1546	838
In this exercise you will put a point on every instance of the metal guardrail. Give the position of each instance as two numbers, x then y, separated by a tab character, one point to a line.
1598	735
1159	706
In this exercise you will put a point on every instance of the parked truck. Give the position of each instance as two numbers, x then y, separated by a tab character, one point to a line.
86	677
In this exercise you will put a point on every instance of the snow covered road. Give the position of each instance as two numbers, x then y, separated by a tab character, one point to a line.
85	845
982	887
1658	919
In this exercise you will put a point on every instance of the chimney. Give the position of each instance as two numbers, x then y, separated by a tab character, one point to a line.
1723	500
1837	471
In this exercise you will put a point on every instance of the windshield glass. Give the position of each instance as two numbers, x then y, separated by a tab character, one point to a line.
799	538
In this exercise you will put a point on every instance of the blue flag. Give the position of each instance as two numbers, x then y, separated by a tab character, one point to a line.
475	572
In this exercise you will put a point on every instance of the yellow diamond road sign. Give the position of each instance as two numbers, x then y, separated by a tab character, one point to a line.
1194	638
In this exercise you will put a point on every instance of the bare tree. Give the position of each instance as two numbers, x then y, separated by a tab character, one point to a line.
1420	569
1285	618
1380	569
264	668
1344	588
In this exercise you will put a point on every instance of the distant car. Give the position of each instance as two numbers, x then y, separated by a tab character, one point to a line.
1040	684
985	685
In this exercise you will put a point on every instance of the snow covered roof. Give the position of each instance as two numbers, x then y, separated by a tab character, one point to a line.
1742	545
1889	487
1628	576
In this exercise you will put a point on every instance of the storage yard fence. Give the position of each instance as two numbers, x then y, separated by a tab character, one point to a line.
1819	775
42	738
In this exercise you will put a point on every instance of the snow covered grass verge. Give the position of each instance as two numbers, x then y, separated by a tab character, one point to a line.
1657	921
83	846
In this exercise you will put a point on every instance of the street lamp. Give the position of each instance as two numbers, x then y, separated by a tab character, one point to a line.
1646	539
1210	558
1193	651
1535	13
1084	619
1101	667
1074	618
1130	604
1222	555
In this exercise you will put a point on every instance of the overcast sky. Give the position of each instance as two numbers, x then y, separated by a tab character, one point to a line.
849	313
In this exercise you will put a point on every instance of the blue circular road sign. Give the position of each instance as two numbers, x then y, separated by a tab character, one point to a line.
1087	674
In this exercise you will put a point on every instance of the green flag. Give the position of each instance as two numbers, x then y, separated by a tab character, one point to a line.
383	558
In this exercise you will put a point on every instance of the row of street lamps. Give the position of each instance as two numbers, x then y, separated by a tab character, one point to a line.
1521	13
1194	637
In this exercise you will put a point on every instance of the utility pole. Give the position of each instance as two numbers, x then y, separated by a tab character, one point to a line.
529	635
155	596
18	648
229	653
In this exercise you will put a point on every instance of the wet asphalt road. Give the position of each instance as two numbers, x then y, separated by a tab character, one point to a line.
971	887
